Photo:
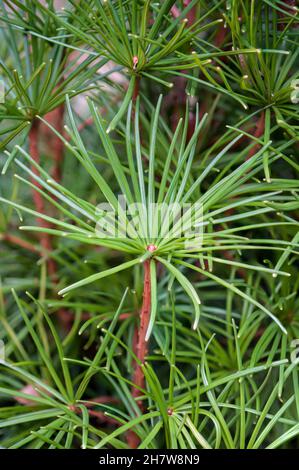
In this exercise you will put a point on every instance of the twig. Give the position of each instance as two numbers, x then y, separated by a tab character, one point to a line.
45	239
140	347
142	344
259	130
19	241
58	145
136	89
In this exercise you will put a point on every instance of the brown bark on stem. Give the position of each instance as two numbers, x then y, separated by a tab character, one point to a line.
58	145
141	346
55	146
136	89
45	239
19	241
259	130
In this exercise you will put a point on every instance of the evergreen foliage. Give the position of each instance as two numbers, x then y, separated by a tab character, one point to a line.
151	339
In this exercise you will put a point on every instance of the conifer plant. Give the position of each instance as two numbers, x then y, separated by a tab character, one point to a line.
149	203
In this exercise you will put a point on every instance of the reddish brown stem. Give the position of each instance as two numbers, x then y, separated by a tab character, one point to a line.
58	145
259	130
45	238
139	343
141	346
18	241
135	96
136	89
220	36
102	417
102	399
